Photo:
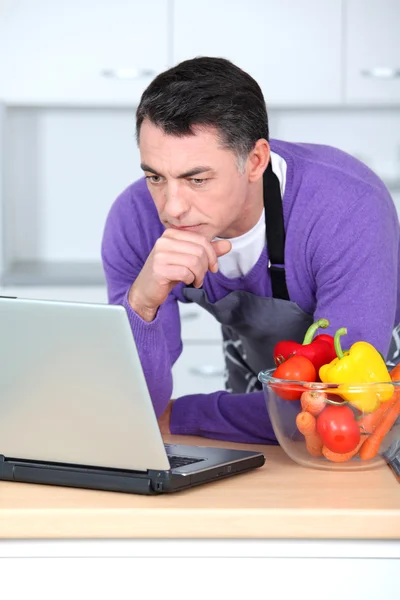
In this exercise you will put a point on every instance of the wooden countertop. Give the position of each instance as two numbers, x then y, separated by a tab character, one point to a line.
279	500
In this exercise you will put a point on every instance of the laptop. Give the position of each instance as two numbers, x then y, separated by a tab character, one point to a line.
75	409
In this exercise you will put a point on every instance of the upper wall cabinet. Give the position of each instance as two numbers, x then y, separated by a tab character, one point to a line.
292	47
372	51
80	52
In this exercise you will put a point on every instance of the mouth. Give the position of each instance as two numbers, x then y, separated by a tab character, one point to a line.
184	227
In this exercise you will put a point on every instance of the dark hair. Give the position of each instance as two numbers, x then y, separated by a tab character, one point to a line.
207	91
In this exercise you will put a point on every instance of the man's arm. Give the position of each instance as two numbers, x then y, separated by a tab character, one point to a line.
354	258
143	263
223	416
159	341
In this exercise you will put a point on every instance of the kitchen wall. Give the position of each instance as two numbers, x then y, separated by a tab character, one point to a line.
63	169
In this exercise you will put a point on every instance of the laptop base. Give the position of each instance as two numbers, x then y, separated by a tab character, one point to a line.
117	480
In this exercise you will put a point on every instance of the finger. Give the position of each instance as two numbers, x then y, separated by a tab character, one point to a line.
177	274
172	246
194	238
221	247
196	264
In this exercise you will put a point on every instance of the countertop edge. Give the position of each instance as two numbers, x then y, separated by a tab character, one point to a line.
200	524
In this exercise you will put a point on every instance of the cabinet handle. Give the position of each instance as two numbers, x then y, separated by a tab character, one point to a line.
207	371
190	316
127	73
381	72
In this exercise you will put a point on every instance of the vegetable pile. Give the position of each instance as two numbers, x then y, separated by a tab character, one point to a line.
348	419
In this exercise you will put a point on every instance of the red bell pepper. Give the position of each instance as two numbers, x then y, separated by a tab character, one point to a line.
320	350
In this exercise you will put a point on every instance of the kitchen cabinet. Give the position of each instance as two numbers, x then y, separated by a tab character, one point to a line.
105	52
372	58
80	52
293	49
198	325
200	368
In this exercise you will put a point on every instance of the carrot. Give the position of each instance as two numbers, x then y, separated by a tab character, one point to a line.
313	402
371	446
370	421
395	373
368	424
338	458
306	424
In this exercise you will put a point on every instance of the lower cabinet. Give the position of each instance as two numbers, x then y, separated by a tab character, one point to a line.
199	369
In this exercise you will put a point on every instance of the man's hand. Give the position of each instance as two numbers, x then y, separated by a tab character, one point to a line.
177	256
164	421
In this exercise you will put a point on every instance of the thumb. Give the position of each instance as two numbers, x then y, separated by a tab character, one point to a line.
222	247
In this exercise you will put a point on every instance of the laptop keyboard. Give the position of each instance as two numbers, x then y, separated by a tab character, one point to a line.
177	460
181	461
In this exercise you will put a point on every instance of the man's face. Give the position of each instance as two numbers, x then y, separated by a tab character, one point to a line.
194	182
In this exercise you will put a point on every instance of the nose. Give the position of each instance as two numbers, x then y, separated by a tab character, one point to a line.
175	203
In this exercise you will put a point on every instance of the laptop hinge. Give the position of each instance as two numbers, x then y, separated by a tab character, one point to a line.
80	477
22	462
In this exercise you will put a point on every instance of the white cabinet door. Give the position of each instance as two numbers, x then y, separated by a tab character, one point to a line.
291	47
66	52
197	325
199	370
372	51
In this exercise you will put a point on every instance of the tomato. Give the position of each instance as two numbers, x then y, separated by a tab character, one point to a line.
295	368
338	428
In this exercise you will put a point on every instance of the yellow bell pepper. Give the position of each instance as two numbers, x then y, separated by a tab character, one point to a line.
361	364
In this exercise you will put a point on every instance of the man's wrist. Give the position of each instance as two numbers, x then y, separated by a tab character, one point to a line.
146	313
164	421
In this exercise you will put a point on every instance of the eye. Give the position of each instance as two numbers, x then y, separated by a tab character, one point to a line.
154	178
198	182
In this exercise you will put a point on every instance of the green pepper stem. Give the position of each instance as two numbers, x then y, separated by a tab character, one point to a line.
336	341
323	323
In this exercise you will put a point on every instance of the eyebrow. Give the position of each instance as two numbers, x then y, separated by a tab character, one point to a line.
190	173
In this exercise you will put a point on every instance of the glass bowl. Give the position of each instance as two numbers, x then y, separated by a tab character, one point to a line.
325	426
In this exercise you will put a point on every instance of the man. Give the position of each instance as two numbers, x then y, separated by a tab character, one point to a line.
267	236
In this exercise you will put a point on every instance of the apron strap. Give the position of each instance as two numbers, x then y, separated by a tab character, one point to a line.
275	233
